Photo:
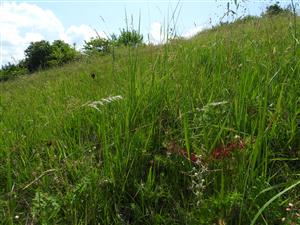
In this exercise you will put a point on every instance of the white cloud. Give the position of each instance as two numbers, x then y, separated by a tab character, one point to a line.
156	33
24	15
33	36
10	34
77	34
22	23
193	31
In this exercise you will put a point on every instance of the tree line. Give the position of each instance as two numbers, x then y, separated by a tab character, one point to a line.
41	55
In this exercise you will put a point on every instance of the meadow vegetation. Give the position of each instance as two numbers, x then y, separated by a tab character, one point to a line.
198	131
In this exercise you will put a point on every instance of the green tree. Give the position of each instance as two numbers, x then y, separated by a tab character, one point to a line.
61	53
100	45
130	38
41	54
12	70
276	9
37	55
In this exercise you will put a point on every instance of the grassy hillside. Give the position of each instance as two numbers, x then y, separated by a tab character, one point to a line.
200	131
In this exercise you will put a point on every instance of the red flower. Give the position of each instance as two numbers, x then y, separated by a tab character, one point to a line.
220	152
224	152
193	157
173	148
241	145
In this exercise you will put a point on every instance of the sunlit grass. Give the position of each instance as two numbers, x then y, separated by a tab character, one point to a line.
229	96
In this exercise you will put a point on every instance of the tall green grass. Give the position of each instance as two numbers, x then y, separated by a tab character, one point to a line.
63	161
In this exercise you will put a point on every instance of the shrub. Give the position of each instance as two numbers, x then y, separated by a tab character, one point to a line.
61	53
37	55
41	54
12	70
276	9
99	45
130	38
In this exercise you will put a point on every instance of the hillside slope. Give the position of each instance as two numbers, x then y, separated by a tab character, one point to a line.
200	131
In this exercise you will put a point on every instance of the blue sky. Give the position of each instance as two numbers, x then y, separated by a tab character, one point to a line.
75	21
